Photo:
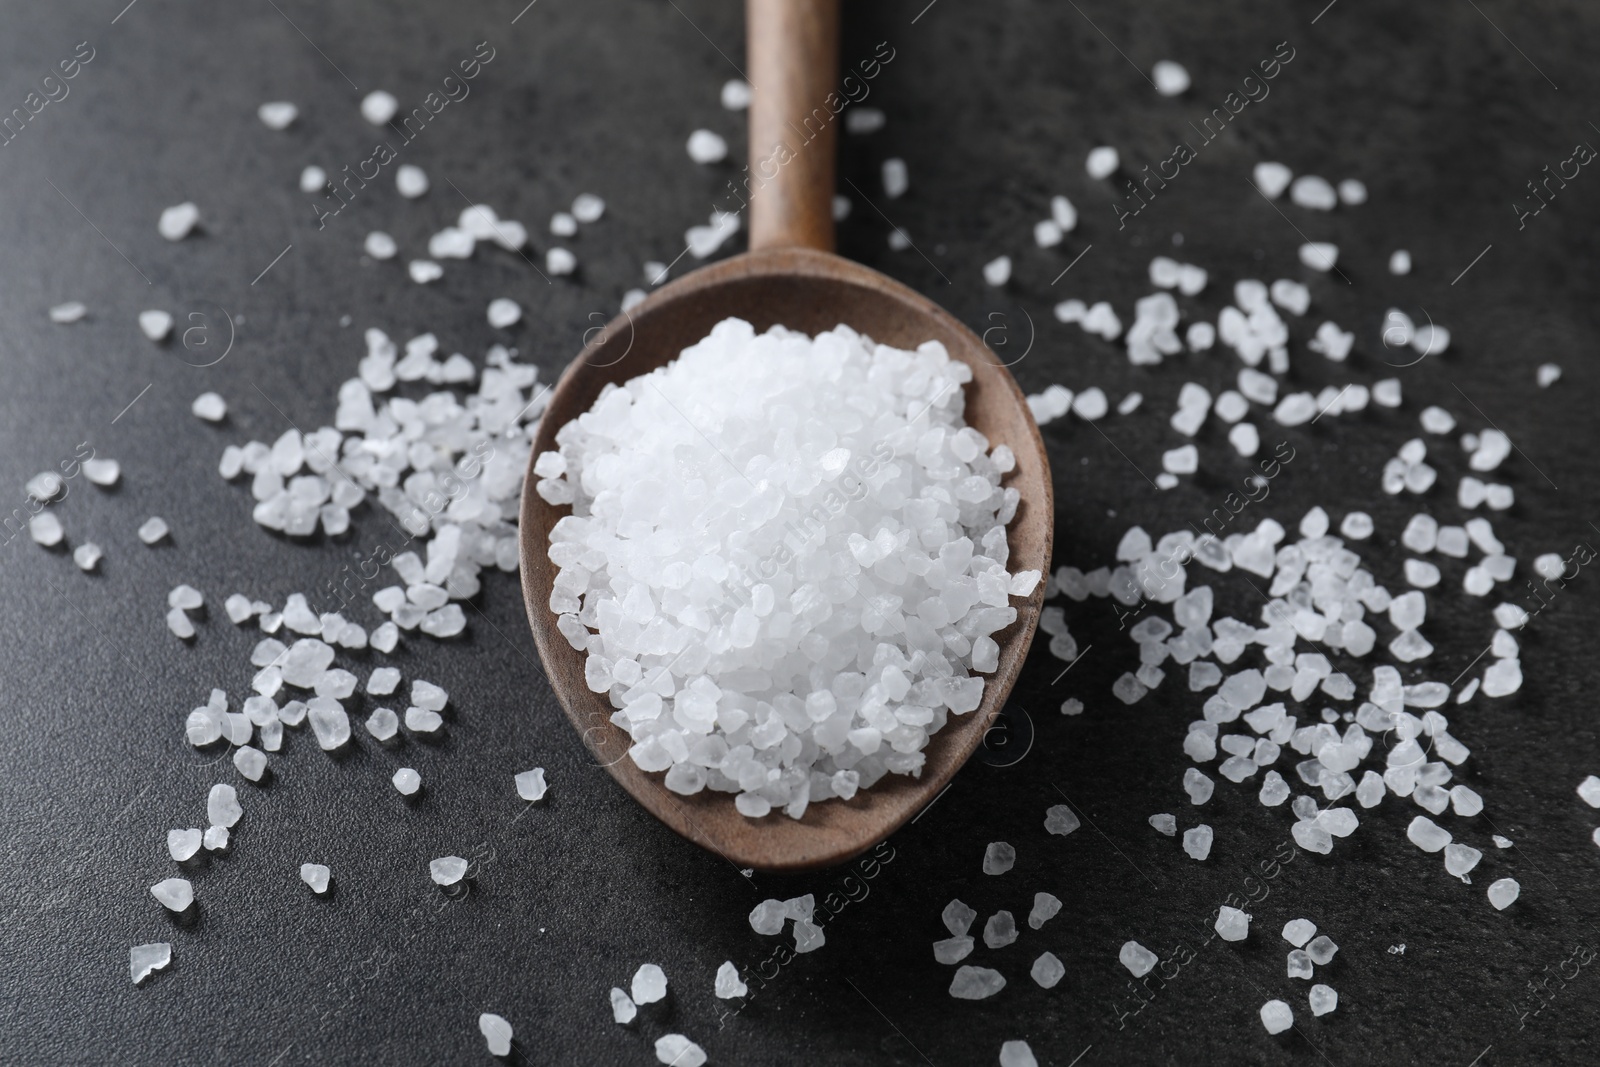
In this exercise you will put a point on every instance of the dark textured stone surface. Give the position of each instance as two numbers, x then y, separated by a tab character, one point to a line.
993	106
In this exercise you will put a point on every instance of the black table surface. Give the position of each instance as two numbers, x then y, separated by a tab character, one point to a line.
1447	112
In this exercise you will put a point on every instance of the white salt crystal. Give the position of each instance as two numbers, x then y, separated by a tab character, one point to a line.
1017	1053
531	785
222	806
209	406
728	984
315	875
504	312
45	529
1459	859
250	762
1045	908
427	695
957	919
380	245
448	870
216	838
1000	930
153	530
313	179
378	107
277	114
736	94
560	261
704	146
1198	786
1321	950
1102	162
998	858
175	894
1047	970
1427	834
622	1007
1137	958
649	984
1319	255
1503	893
423	271
1323	999
329	722
178	221
1502	678
1276	1016
145	960
1298	931
1272	179
976	983
422	721
407	781
155	324
1170	77
497	1033
1060	819
183	844
997	271
1310	191
675	1050
1548	374
1232	924
70	312
1299	964
1589	791
103	472
1352	191
768	917
1197	842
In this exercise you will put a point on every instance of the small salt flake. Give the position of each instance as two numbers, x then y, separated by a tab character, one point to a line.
728	984
562	224
496	1033
70	312
1000	930
704	146
209	406
380	245
422	721
1323	999
1503	893
896	178
153	530
1072	705
1299	964
250	762
1547	375
1272	179
102	472
407	781
1589	791
155	324
46	529
1427	834
222	805
1170	77
1058	819
1298	931
531	785
183	844
1198	786
316	876
649	984
447	870
675	1050
1197	842
957	918
216	839
378	107
1017	1054
735	94
623	1009
768	917
1163	824
178	221
1137	958
504	312
1311	191
998	858
1045	907
976	983
1102	162
560	261
863	120
175	894
277	114
1276	1016
1232	924
1321	950
1047	970
313	179
997	271
423	271
145	960
1400	262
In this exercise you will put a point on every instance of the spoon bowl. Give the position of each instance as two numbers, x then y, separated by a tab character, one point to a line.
784	282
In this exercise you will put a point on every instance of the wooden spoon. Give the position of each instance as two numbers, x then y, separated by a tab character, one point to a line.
789	277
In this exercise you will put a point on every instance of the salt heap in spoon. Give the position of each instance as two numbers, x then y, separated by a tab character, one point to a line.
785	555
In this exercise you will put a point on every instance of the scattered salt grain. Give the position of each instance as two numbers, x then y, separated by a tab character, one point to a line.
145	960
46	529
504	312
178	221
649	984
315	875
407	781
496	1032
1310	191
1047	970
1272	179
380	245
997	271
1298	931
1136	958
1547	375
1321	950
448	870
623	1009
1000	930
957	918
1589	791
313	179
1299	964
998	858
378	107
1503	893
704	146
1232	924
70	312
1276	1016
728	984
1197	842
216	839
183	844
209	406
675	1050
250	762
768	917
175	894
1017	1053
1427	834
222	806
1102	162
1319	255
976	983
531	785
1164	824
1170	77
423	271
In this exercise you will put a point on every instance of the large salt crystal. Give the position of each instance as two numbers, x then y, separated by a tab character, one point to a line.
175	894
1276	1016
316	876
675	1050
1062	820
728	983
649	984
496	1033
1503	893
957	919
145	960
1427	834
183	844
222	806
447	870
998	857
1137	958
622	1007
976	983
1018	1053
1232	924
1047	970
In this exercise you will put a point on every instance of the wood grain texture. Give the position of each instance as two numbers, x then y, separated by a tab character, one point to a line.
810	291
793	59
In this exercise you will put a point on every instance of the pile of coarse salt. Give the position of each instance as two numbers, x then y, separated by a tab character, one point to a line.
448	468
784	558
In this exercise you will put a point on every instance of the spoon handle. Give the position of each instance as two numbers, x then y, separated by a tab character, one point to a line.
793	59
